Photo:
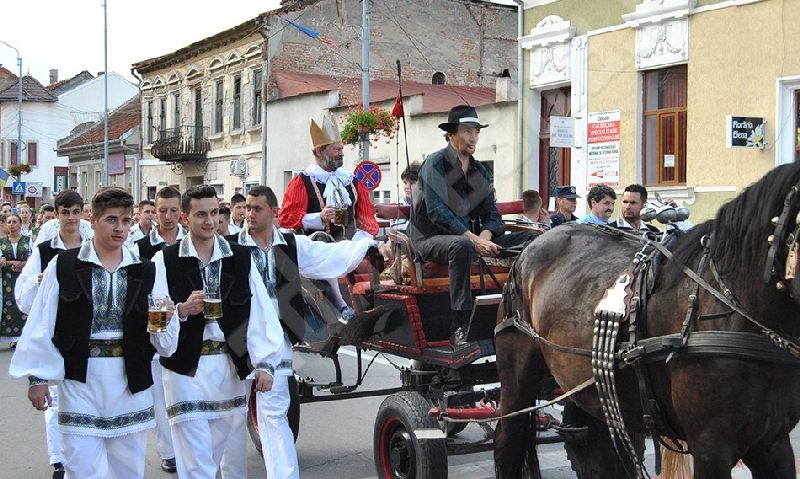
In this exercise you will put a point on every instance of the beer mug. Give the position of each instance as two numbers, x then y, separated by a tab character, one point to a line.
340	216
156	313
212	303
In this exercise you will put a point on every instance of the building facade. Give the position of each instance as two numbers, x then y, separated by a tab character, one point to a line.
662	93
201	105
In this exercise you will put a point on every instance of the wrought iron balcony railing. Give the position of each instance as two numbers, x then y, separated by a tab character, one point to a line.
184	143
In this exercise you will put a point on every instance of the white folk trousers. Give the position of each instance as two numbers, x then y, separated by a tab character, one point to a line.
277	440
200	443
51	428
90	457
163	434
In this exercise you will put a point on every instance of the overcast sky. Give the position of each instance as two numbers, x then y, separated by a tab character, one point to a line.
68	34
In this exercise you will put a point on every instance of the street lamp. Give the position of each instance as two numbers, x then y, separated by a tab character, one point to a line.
19	103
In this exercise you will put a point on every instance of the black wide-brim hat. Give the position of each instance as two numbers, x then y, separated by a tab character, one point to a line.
461	115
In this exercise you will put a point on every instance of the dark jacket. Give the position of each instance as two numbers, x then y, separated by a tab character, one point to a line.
451	202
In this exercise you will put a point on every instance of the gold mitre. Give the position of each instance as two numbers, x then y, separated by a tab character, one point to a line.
329	133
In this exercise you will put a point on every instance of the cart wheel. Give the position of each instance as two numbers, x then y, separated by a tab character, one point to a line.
398	452
293	413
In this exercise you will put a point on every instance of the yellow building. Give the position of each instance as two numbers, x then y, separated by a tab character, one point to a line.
695	99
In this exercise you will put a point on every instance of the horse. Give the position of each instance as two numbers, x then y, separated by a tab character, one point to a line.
725	403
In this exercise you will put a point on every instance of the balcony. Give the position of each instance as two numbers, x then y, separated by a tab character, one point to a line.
181	144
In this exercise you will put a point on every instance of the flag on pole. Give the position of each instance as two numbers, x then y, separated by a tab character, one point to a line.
397	110
315	34
4	176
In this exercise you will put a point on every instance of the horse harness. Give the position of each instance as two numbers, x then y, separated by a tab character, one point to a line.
626	301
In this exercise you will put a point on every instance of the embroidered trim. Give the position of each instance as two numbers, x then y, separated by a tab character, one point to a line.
105	348
94	422
213	347
284	364
35	381
188	407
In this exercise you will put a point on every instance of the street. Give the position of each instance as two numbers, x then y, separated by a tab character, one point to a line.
335	438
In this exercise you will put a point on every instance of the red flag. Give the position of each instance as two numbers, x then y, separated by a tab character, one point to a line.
397	110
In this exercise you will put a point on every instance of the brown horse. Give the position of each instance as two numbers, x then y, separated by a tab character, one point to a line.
727	406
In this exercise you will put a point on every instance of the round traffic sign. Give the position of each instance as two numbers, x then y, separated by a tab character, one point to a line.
368	174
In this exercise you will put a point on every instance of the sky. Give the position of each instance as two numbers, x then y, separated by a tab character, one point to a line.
68	34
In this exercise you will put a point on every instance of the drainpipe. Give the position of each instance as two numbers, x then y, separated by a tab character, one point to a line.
262	23
137	169
520	79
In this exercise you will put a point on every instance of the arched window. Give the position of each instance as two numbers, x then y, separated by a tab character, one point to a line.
438	78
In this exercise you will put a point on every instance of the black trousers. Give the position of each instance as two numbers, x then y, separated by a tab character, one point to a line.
457	252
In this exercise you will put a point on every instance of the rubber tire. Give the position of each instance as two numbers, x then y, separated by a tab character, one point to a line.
398	416
293	413
594	457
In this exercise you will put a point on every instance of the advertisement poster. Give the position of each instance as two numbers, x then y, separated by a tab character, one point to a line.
602	145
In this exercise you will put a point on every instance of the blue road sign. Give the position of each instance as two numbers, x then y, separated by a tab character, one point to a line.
18	187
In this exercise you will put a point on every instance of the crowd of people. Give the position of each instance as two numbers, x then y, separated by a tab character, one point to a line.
81	278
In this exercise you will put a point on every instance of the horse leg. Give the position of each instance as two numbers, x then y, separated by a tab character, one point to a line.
775	461
713	458
521	368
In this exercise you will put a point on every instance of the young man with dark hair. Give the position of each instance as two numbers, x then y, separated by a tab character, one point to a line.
633	200
88	331
224	227
169	230
208	360
238	221
601	199
532	211
280	258
147	213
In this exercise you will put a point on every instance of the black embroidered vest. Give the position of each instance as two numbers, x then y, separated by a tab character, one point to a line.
292	307
183	277
75	312
47	253
314	206
147	250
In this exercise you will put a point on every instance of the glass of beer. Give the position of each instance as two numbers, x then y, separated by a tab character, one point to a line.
156	314
340	216
212	303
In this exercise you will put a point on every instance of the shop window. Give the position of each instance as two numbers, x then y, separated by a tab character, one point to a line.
664	126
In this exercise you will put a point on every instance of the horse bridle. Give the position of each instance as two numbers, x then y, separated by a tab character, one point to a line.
783	246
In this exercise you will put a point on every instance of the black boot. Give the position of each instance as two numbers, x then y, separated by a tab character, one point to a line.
458	329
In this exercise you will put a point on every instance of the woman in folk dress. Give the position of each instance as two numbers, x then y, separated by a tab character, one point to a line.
15	250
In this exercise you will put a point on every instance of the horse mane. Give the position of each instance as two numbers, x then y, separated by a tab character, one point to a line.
742	225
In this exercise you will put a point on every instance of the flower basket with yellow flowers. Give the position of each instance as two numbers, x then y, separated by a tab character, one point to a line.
375	122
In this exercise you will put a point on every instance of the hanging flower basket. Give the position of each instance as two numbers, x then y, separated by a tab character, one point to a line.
375	122
17	170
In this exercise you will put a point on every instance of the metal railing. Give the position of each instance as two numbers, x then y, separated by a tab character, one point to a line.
183	143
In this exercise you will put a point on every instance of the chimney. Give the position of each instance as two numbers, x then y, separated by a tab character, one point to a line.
505	89
53	75
99	74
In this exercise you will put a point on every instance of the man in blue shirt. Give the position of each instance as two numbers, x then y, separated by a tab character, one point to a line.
601	199
456	214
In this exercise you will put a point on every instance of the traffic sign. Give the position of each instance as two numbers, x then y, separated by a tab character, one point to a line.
34	189
368	174
18	187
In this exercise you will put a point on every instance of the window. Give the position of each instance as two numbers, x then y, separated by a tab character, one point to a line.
381	197
664	126
14	153
257	80
162	114
176	109
84	184
198	107
151	193
148	126
219	95
33	153
438	78
98	178
237	102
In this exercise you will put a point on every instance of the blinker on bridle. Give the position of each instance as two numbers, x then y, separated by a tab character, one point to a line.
783	246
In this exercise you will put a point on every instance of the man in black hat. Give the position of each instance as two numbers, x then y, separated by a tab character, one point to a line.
566	204
456	213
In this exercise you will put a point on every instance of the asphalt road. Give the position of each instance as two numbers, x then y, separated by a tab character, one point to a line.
335	438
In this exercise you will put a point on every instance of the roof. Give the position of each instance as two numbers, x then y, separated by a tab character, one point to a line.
435	98
7	78
32	90
61	86
124	118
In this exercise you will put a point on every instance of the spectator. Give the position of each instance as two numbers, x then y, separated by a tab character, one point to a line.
633	200
533	213
566	204
601	199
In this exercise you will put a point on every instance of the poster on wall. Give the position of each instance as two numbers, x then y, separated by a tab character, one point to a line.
602	148
745	132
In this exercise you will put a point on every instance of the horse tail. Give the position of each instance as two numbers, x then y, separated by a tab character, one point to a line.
517	458
675	465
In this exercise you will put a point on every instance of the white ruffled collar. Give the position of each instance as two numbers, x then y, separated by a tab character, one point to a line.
335	184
